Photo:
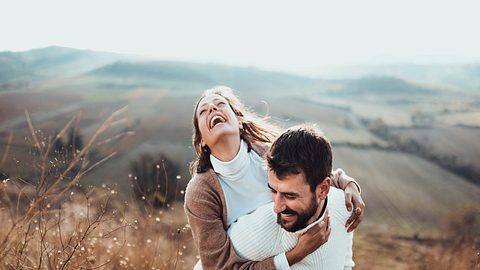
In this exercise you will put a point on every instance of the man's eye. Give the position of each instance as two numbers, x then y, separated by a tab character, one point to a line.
289	197
202	111
221	103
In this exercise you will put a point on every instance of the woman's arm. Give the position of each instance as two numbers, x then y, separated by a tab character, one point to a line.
204	212
353	198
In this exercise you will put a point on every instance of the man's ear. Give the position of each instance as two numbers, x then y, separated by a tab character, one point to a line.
323	188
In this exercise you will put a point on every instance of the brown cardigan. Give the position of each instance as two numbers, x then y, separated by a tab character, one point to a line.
206	211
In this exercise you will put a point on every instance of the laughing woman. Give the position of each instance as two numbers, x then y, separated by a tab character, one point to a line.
230	180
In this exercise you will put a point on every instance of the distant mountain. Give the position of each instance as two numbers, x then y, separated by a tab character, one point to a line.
51	62
100	70
207	75
61	61
13	67
381	86
464	77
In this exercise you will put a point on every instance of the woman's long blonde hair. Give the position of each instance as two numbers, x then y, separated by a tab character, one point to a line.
253	129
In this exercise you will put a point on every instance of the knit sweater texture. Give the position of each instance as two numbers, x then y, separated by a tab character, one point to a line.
257	236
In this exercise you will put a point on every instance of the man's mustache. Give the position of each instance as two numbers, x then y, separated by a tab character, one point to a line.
288	211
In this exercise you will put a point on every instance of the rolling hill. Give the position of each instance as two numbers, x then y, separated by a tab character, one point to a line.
403	191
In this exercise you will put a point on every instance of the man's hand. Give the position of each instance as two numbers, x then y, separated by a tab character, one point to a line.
310	241
354	200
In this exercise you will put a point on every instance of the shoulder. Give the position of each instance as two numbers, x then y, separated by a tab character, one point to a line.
336	204
261	148
203	186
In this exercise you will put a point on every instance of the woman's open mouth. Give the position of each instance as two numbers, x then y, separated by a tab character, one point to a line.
215	120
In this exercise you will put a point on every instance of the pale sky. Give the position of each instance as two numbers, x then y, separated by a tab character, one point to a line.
277	35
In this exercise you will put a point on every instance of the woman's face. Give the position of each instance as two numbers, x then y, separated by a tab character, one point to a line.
216	120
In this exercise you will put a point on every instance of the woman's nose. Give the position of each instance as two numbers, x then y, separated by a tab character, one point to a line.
212	107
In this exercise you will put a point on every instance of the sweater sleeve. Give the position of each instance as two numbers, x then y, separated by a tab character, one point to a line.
340	179
204	211
349	263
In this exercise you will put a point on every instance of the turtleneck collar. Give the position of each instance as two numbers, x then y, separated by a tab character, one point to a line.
234	169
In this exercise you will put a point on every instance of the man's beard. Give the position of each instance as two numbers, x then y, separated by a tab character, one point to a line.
302	218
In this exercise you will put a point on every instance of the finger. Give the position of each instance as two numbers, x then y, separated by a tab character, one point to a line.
327	234
358	202
316	229
356	215
354	224
348	201
359	211
352	218
327	216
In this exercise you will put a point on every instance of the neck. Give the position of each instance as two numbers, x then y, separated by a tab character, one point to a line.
320	210
226	149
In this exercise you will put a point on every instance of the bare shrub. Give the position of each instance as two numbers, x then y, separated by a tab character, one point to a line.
155	180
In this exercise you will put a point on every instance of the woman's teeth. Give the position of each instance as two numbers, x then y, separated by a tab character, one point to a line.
216	120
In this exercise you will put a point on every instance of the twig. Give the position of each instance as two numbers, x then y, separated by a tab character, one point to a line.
9	141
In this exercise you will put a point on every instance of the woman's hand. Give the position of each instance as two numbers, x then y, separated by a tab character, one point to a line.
310	241
354	200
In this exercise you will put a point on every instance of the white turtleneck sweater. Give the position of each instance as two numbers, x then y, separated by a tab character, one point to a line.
244	183
258	236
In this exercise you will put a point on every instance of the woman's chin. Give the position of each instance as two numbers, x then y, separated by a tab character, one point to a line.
223	132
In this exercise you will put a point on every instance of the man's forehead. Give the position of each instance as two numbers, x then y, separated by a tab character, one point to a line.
291	182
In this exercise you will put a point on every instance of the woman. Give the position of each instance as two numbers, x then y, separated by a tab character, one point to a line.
229	180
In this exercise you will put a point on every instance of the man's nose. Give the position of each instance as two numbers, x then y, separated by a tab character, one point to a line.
278	204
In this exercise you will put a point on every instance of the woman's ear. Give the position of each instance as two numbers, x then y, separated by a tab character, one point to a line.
323	188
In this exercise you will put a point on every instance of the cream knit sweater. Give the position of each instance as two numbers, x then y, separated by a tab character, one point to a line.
257	236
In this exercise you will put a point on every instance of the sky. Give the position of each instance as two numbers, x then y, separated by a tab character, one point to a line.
298	36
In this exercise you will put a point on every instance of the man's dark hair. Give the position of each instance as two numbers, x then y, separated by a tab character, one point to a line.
301	149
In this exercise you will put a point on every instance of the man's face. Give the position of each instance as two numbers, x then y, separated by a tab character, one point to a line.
295	204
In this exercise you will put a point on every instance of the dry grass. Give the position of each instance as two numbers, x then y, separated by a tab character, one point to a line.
95	229
52	222
384	251
55	223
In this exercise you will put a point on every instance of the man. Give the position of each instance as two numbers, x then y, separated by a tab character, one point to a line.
299	167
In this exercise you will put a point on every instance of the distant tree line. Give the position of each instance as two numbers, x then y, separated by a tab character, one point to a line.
411	146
